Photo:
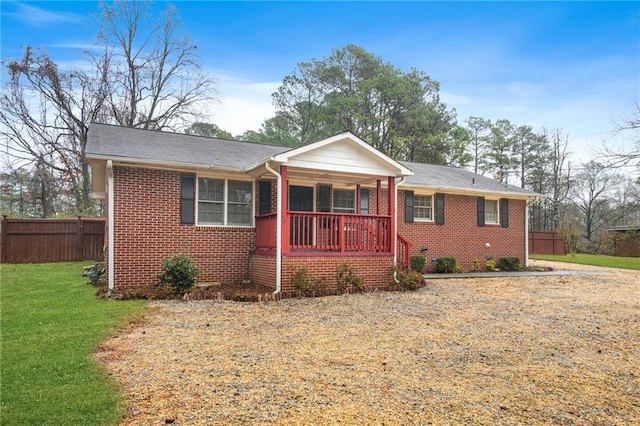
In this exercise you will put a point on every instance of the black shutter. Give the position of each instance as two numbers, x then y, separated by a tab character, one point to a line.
187	199
504	212
408	206
480	211
264	197
439	209
324	198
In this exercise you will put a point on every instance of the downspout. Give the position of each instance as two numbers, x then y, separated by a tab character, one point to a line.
278	229
529	202
110	211
395	226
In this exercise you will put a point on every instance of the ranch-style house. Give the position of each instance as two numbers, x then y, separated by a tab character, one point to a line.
246	211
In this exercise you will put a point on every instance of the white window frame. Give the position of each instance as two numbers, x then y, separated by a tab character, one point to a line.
343	210
497	204
418	218
226	202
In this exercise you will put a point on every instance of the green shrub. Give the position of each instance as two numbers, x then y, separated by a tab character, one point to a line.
476	264
446	265
346	278
508	264
417	263
490	265
408	279
178	271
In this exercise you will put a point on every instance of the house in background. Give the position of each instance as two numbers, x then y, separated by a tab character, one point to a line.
246	211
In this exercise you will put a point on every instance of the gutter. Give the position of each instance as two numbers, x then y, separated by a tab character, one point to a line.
110	212
278	229
167	164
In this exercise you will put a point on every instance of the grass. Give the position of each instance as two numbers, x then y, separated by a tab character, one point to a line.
593	259
50	326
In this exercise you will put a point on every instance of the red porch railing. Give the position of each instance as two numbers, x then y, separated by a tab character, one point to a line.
311	231
266	231
339	232
404	251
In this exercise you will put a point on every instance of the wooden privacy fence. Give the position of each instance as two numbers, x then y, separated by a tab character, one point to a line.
51	240
546	242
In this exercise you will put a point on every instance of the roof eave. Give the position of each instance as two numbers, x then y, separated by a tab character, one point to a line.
148	162
476	191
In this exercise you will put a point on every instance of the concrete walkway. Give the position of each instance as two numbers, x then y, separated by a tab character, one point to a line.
513	274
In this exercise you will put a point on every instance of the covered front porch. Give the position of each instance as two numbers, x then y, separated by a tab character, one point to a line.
306	232
335	200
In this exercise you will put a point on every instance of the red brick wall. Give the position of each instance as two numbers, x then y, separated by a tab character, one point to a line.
373	268
263	270
461	237
147	229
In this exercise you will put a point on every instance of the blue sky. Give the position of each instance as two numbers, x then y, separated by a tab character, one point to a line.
568	65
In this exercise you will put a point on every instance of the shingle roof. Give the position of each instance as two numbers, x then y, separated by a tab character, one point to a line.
116	142
156	147
454	178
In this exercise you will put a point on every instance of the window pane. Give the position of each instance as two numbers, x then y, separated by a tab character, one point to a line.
211	189
344	201
240	203
491	211
210	212
423	207
239	214
240	192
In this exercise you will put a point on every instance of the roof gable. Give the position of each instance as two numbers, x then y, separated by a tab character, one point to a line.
343	153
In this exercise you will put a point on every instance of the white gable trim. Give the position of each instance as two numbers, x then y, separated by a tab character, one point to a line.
359	145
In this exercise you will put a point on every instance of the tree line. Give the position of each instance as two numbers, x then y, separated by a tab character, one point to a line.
143	72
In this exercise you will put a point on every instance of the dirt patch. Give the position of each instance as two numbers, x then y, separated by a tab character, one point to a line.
525	350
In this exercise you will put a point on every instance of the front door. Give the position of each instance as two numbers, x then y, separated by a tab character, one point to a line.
301	200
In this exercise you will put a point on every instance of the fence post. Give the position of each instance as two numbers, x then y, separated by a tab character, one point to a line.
79	239
3	238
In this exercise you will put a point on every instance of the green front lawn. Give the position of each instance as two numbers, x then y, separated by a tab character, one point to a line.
593	259
51	324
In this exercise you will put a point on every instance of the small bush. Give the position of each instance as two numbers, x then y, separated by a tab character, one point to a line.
508	264
476	264
178	271
490	265
446	265
346	278
301	280
417	263
408	279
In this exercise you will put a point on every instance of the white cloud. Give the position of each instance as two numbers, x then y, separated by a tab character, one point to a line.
244	104
38	17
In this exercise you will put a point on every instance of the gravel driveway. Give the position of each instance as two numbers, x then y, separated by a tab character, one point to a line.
526	350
